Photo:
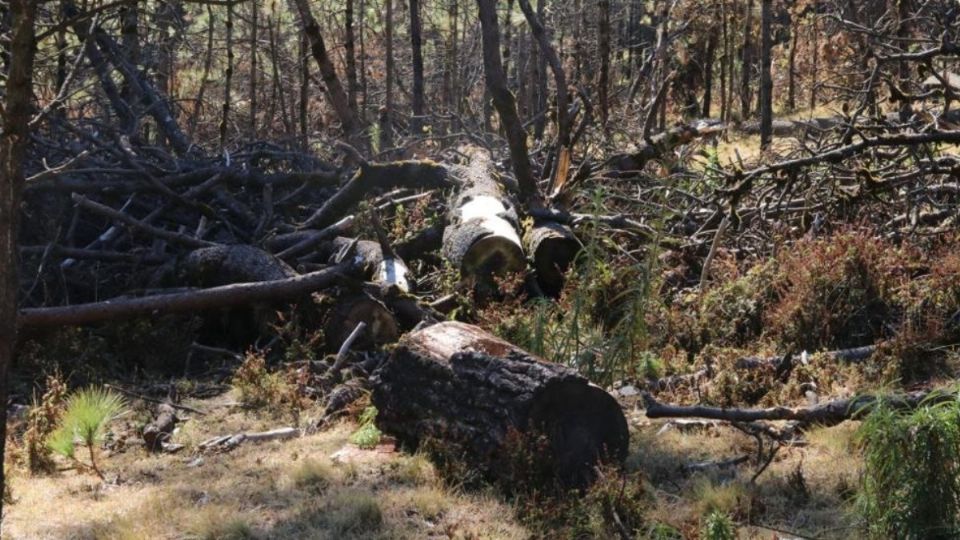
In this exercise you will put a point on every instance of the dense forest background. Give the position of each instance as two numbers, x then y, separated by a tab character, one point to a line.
480	268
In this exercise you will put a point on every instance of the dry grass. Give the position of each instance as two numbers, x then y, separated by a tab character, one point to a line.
270	490
805	490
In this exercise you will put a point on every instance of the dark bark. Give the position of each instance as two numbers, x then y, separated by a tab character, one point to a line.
386	112
160	429
13	147
225	265
504	100
183	302
470	391
350	49
416	43
747	66
792	74
227	81
254	73
604	52
708	71
766	79
552	247
349	121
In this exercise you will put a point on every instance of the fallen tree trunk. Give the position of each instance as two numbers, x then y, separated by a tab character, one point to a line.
830	413
552	247
184	302
481	237
458	385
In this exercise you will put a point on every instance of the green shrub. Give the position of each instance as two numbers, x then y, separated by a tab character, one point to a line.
718	526
85	417
911	482
367	435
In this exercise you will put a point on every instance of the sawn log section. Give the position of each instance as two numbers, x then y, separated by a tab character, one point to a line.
467	389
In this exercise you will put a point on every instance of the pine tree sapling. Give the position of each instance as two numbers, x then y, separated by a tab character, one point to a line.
87	414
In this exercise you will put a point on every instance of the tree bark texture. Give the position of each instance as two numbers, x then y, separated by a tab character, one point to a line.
13	147
481	237
463	387
503	99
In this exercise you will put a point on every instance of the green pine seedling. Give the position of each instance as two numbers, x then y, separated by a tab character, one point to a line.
87	414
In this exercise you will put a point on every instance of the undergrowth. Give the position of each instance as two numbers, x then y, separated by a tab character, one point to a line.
910	486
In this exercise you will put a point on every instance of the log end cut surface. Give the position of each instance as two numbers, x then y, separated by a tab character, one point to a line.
553	248
584	425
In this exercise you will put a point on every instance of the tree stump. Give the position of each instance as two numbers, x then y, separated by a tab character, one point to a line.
465	388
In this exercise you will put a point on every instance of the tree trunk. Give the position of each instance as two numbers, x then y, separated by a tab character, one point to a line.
604	52
254	72
814	83
416	42
472	392
183	302
349	48
708	71
504	101
13	146
334	90
766	79
386	113
550	57
481	237
541	104
227	81
792	74
304	91
747	61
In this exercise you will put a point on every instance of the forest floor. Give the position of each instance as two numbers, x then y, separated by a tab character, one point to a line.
315	486
322	486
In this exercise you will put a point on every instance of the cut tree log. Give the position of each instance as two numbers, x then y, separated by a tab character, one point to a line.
470	391
390	277
481	237
368	257
223	265
351	310
159	431
552	247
